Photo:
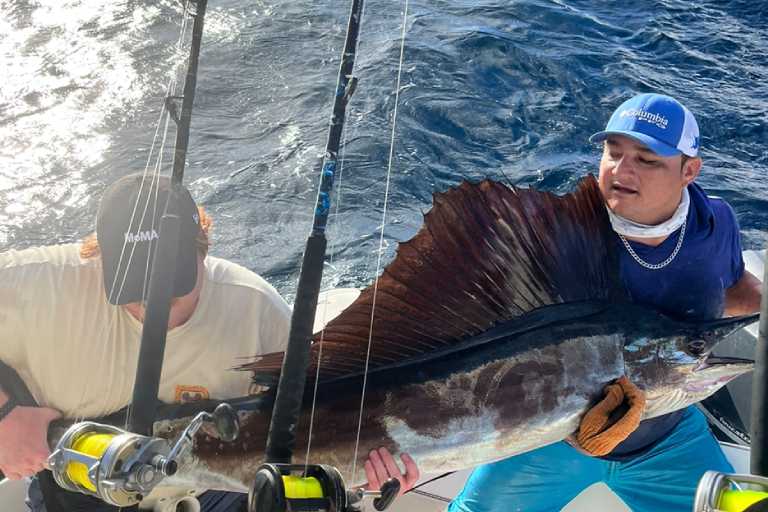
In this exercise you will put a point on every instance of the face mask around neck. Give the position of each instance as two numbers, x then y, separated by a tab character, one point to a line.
631	228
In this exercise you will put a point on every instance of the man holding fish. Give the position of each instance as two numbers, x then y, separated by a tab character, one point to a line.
680	252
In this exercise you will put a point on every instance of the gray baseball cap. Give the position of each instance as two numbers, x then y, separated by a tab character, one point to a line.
128	232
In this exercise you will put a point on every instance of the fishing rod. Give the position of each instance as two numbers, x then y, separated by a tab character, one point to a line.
319	487
163	271
122	466
290	390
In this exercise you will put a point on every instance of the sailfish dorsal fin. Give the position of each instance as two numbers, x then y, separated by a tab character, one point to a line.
486	253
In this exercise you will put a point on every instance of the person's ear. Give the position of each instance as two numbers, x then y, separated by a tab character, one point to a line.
691	169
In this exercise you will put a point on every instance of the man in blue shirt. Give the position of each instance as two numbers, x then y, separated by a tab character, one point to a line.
680	252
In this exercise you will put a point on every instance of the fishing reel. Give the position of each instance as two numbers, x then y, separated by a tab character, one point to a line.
121	467
723	492
312	488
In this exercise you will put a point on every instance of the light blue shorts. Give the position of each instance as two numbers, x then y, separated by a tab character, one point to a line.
663	478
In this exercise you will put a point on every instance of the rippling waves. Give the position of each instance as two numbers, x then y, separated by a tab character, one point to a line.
504	89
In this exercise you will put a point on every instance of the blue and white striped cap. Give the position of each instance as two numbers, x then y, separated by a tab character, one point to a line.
657	121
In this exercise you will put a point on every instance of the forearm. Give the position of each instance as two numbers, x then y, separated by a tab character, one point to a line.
743	297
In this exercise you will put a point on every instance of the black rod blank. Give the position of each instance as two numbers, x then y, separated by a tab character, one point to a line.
290	390
161	276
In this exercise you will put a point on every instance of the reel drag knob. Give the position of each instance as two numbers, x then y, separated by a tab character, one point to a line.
267	493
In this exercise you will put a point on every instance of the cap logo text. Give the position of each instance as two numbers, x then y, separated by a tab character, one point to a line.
141	236
649	117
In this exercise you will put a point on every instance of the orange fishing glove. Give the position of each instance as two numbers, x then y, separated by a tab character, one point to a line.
599	432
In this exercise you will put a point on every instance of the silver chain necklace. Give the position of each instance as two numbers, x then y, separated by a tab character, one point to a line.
656	266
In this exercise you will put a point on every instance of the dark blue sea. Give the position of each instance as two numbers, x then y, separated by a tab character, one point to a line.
502	89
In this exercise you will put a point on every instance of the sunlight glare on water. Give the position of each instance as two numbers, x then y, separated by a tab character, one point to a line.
68	69
490	88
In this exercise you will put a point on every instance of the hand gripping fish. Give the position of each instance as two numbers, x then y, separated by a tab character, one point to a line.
495	329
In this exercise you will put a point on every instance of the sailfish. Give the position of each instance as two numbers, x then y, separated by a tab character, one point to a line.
493	330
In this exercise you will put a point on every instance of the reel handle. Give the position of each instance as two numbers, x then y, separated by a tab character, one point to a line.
387	494
382	498
226	421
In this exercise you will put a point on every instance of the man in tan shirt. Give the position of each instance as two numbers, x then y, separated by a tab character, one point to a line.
71	318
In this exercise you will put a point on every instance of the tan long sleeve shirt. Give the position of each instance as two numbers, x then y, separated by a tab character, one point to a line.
78	354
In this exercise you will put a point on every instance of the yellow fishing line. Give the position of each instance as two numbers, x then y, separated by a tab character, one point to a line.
90	444
737	501
297	487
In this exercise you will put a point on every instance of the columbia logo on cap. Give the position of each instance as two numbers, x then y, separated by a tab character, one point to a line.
644	115
141	236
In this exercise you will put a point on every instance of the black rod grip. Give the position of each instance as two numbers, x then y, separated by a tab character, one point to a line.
290	390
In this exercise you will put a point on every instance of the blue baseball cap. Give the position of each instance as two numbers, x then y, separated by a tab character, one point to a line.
657	121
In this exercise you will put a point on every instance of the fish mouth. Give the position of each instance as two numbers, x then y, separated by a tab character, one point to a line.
713	361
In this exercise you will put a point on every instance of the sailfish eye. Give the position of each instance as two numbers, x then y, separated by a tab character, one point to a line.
696	347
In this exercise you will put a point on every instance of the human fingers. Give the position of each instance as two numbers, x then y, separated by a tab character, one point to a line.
29	464
27	471
16	469
23	441
382	475
11	474
372	477
41	465
39	451
412	473
393	470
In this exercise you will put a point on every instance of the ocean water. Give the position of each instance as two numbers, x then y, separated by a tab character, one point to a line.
503	89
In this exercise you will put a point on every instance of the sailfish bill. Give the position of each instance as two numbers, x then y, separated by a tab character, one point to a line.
495	328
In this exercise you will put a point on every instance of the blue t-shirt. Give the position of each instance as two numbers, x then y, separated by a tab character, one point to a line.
691	287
